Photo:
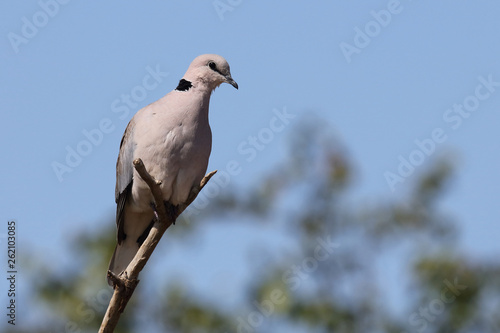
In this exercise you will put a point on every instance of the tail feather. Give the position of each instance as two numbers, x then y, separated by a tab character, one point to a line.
136	226
122	256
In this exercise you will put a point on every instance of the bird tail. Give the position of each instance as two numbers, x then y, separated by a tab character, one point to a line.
122	256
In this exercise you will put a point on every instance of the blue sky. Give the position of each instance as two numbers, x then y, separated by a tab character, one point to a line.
66	67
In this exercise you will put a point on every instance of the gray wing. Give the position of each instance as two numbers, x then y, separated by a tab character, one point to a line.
124	177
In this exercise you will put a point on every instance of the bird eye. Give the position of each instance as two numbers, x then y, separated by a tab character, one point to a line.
212	65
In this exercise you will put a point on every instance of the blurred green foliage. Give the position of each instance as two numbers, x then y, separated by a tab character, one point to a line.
332	282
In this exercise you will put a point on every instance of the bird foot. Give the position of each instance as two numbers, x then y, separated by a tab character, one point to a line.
153	206
172	211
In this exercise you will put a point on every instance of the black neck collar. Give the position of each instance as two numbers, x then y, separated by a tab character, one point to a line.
184	85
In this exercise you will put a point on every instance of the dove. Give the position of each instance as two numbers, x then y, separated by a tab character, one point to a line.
173	138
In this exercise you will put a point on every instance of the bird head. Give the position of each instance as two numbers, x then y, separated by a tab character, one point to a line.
211	70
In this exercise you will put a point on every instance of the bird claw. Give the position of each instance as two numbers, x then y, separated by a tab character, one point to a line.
157	218
172	211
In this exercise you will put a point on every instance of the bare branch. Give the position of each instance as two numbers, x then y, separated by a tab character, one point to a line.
125	284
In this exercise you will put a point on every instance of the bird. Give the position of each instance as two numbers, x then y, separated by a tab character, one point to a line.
173	138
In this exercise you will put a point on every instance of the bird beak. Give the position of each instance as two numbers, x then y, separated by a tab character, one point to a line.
230	80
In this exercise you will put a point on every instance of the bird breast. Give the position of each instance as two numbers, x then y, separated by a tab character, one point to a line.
175	149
